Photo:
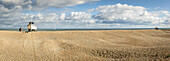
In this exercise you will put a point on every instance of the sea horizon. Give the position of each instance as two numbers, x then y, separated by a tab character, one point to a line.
79	29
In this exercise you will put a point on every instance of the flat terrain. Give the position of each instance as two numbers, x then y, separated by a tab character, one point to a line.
104	45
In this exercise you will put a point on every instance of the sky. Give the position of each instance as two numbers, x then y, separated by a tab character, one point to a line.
85	13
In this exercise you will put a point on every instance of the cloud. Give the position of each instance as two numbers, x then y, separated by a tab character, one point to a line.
10	4
41	4
166	13
80	18
60	3
12	15
126	14
8	16
52	20
119	15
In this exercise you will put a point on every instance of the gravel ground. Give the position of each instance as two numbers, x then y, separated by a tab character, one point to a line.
101	45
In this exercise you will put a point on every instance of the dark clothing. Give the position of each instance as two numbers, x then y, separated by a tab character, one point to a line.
156	28
20	29
29	30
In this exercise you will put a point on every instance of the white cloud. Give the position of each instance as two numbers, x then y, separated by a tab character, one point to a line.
11	15
119	15
80	18
128	14
73	19
62	16
79	15
166	13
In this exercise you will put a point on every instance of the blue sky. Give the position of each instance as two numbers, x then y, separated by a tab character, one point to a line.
150	4
85	13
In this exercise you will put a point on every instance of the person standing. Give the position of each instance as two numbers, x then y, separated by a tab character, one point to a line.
20	29
156	28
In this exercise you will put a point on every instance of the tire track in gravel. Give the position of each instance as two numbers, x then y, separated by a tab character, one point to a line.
33	46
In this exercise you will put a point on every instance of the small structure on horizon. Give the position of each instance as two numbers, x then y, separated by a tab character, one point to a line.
156	28
31	26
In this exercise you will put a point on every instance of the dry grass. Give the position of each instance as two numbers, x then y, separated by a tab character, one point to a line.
108	45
